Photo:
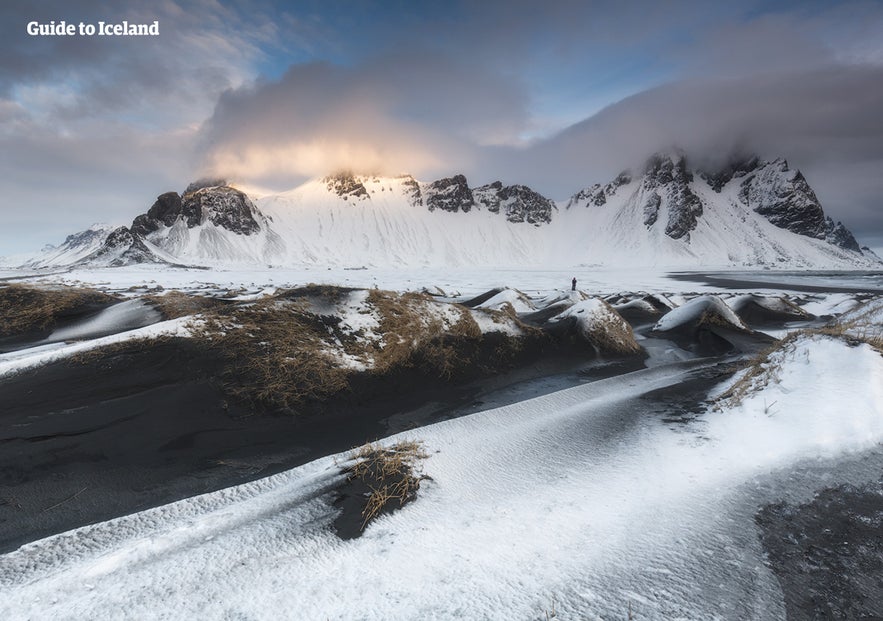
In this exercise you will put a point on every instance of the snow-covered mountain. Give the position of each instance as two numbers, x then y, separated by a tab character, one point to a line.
74	248
750	213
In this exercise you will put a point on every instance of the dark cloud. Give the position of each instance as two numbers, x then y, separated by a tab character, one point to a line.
826	122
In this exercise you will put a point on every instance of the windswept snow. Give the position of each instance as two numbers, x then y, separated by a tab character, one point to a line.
692	311
519	302
577	501
597	322
36	356
120	317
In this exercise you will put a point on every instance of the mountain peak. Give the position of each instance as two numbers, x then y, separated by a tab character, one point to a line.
736	166
449	194
206	182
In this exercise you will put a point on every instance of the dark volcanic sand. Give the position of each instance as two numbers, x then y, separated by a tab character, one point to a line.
786	281
82	443
828	553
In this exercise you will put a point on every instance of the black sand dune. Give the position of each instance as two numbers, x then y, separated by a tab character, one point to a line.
82	442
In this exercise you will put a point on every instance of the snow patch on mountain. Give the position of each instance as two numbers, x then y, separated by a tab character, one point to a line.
74	248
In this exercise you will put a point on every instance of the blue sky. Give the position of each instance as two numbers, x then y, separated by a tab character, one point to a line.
558	94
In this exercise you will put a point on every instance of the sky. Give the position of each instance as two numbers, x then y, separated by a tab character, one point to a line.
558	94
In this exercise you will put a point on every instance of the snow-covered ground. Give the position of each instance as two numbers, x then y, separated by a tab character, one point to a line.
584	503
577	504
451	280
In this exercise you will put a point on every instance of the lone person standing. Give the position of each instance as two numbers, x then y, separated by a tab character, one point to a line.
573	284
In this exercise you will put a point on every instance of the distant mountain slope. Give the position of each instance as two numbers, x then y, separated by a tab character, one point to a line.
74	248
751	213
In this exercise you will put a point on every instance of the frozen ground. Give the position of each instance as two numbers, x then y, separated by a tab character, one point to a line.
462	281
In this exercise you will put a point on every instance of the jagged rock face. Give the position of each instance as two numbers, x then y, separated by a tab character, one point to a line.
784	197
346	186
839	235
593	195
623	178
666	177
517	202
123	248
597	194
164	211
738	167
412	190
84	239
223	206
119	238
488	196
449	194
651	209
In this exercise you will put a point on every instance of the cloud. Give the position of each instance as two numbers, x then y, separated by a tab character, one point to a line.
397	113
204	47
830	114
54	185
432	90
92	128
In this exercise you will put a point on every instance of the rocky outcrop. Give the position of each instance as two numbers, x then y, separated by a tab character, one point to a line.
667	176
346	186
122	247
839	235
223	206
518	203
784	198
598	194
736	168
449	194
665	188
412	190
163	212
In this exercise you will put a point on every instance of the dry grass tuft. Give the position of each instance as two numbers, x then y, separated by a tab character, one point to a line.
103	356
329	293
711	317
175	304
412	335
761	370
390	473
614	335
275	353
24	309
765	367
